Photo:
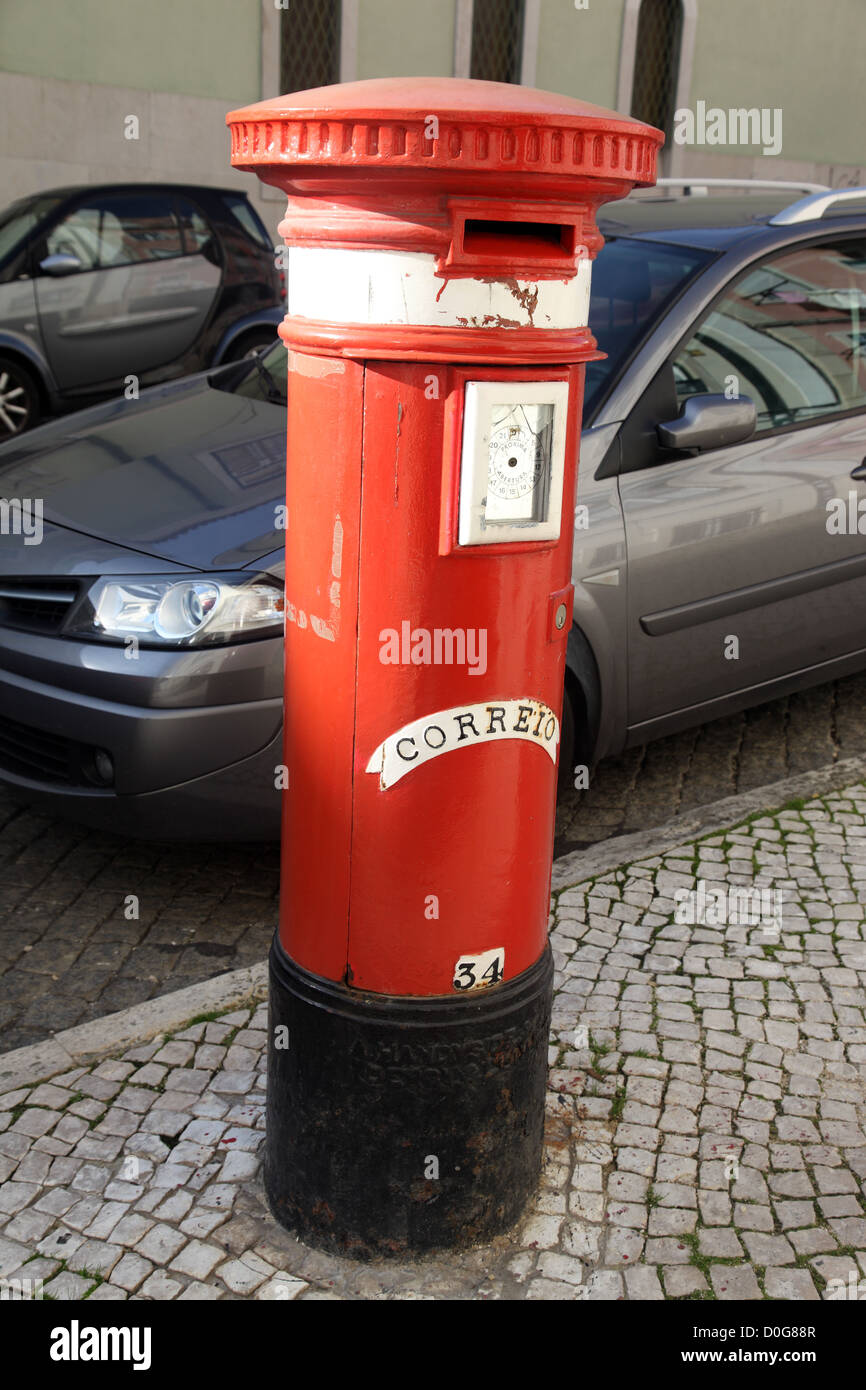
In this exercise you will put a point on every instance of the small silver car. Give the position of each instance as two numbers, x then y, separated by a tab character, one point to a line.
117	287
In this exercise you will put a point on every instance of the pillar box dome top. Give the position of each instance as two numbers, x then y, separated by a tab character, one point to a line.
431	123
433	217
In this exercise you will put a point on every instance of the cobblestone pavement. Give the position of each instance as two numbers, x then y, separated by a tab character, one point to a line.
69	951
706	1131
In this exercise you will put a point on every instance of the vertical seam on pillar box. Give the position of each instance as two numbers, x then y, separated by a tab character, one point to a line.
347	973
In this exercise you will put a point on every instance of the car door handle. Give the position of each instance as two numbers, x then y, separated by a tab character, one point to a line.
859	472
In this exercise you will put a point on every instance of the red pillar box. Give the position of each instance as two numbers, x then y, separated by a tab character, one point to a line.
441	236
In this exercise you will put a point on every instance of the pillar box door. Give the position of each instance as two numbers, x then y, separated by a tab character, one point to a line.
440	241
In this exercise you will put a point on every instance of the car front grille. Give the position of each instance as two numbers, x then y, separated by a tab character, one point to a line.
46	757
34	753
36	605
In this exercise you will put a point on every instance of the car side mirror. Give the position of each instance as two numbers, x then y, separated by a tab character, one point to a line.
710	422
60	264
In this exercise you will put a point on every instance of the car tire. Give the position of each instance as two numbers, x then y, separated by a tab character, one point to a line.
249	344
20	400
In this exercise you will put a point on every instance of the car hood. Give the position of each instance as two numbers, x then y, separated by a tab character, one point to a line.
187	473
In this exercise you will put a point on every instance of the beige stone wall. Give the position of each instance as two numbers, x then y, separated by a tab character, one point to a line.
74	72
807	58
203	48
405	38
60	132
578	50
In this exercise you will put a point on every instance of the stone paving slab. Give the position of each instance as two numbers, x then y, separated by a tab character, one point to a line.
706	1112
91	923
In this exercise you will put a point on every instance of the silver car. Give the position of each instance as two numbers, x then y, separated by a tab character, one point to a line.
108	289
720	555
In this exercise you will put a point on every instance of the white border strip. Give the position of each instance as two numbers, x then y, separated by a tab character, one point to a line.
336	285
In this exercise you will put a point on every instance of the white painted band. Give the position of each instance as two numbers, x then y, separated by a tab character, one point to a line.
463	727
400	287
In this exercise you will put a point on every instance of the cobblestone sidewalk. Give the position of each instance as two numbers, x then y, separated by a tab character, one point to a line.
706	1112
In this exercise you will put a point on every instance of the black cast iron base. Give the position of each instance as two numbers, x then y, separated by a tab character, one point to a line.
397	1125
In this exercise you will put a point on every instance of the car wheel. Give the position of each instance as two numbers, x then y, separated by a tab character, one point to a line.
250	344
19	398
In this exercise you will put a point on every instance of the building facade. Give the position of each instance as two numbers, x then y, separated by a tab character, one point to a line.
105	90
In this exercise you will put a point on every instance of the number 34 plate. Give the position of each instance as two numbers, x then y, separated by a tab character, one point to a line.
480	970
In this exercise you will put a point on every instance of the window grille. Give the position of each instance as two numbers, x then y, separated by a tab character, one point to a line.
657	61
497	40
309	44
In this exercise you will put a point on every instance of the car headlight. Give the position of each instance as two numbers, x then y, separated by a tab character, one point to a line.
167	611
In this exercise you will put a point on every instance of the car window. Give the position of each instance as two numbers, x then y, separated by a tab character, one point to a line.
791	334
77	235
118	229
18	220
633	283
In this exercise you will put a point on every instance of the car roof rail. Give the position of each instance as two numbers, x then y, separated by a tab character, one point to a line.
808	209
698	186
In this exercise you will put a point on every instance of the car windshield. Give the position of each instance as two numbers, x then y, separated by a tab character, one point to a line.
267	376
19	219
633	282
